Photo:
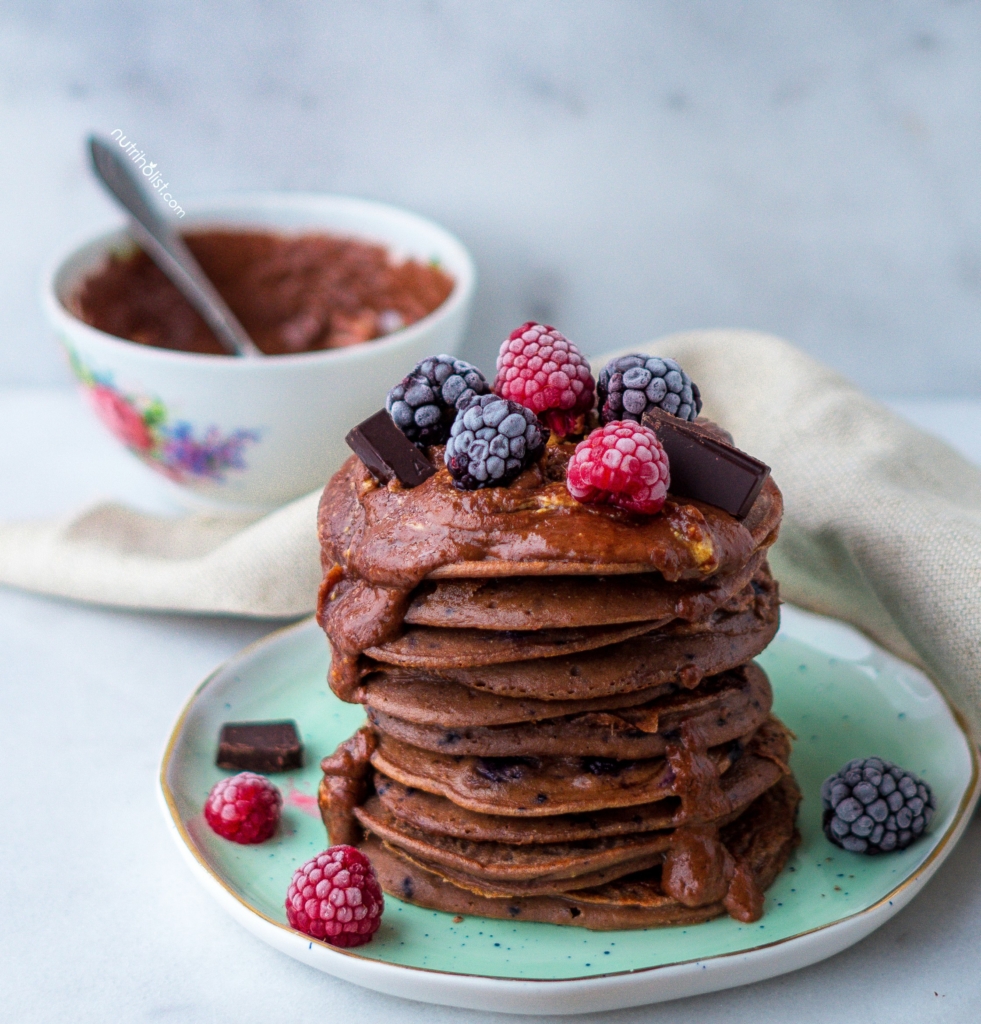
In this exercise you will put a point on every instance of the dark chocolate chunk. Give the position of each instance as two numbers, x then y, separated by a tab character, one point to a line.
260	747
387	452
706	468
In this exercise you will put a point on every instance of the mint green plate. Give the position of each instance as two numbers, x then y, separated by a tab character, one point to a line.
840	694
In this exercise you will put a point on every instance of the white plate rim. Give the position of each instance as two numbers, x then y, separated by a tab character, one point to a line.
560	996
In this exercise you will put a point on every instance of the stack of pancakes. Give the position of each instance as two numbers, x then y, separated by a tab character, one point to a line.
564	722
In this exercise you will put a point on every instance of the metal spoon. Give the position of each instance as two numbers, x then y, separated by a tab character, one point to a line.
167	249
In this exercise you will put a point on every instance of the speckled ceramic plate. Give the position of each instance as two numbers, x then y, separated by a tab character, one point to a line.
840	694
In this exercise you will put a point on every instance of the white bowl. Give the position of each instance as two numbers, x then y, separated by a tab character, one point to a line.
255	433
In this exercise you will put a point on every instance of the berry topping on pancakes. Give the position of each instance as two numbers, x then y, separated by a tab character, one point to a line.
541	369
632	385
620	464
425	403
491	441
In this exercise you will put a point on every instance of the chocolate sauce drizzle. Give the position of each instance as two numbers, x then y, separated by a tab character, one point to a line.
345	785
699	869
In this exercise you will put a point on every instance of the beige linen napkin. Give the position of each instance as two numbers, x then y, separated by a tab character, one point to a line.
882	525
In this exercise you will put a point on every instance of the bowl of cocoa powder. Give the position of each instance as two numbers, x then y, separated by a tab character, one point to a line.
342	295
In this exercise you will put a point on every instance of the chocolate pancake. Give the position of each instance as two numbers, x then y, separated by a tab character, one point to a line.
437	648
540	786
678	654
358	615
722	708
569	602
439	702
538	867
747	779
426	647
492	868
539	886
760	842
762	764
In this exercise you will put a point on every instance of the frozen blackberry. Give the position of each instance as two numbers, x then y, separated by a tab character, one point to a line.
491	441
629	386
424	404
873	806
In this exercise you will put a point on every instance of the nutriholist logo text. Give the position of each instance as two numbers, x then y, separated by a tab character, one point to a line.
154	177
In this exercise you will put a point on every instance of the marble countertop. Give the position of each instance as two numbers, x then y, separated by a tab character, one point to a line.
102	920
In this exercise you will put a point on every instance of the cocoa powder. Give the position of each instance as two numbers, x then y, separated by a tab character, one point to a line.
292	293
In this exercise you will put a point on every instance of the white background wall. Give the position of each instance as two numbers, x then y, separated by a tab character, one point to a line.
618	168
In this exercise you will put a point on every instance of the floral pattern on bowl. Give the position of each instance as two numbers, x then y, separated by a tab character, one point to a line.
145	427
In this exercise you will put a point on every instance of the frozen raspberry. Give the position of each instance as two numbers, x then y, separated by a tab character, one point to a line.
620	464
874	806
336	897
424	405
244	808
629	386
540	368
491	441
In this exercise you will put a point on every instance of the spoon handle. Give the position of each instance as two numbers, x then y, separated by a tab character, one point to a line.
167	249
